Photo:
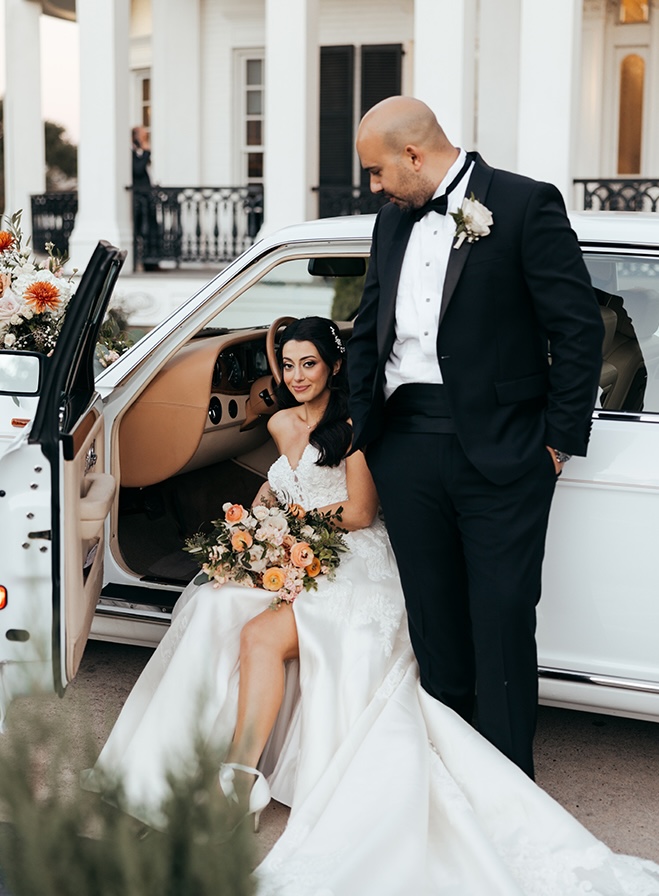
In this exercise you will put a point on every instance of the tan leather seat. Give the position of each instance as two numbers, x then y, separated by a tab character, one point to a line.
609	374
624	354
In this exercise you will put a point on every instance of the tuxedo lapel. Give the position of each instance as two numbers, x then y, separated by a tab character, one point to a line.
479	183
389	283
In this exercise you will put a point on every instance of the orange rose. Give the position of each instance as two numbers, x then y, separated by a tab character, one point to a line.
241	540
297	510
234	514
301	554
274	578
314	568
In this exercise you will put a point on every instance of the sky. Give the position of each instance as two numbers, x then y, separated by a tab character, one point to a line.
60	98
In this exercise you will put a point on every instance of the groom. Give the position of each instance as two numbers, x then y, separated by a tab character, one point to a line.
473	368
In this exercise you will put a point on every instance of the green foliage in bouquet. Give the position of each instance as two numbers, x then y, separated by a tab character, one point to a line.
62	841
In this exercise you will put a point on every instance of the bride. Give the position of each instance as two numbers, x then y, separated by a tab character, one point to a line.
391	793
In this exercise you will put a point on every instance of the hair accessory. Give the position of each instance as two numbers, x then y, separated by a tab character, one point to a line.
337	339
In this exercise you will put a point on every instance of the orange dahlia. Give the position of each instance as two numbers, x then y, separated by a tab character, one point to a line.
42	296
6	240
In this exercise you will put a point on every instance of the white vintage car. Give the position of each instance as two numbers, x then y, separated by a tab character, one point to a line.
101	481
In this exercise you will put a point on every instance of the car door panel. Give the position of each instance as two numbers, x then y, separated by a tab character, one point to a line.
599	612
88	492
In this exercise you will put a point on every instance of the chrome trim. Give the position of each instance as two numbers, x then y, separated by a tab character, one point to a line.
609	681
134	614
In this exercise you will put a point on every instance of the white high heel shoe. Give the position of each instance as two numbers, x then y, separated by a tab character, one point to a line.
259	795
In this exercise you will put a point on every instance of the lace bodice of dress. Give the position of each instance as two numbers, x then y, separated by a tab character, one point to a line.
308	484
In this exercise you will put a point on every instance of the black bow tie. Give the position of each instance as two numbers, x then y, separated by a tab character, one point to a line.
440	203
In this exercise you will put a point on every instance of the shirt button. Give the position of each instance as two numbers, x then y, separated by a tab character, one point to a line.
425	332
434	233
427	264
427	300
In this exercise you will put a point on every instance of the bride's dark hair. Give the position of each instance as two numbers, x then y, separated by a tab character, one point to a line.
333	434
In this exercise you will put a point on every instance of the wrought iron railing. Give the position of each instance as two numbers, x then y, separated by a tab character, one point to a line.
347	200
207	225
195	224
621	194
53	217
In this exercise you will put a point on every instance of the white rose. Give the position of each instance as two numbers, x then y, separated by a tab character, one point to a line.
260	512
15	320
10	339
27	313
9	306
478	218
278	523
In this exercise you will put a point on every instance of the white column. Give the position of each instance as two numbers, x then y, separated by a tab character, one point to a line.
588	157
176	93
24	141
498	82
549	83
104	159
444	64
292	62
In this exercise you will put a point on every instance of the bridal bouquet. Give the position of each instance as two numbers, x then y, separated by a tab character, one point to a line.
33	295
282	548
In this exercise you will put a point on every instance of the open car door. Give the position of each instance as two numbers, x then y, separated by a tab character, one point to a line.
69	430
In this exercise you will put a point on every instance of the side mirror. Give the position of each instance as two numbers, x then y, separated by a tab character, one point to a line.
346	266
20	372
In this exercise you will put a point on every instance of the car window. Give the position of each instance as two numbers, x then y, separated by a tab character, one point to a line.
289	289
627	290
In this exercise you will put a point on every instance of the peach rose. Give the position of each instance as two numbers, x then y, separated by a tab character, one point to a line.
301	554
274	578
241	540
234	513
297	510
314	568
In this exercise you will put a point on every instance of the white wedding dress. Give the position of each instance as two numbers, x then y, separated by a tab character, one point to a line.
391	793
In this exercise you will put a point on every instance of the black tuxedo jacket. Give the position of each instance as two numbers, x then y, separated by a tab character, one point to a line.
506	298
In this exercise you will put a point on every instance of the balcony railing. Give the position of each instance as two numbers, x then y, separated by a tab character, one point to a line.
621	194
207	225
195	224
53	217
347	200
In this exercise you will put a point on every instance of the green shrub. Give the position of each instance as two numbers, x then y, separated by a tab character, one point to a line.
62	840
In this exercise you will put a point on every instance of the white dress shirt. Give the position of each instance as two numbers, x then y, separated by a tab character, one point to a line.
413	357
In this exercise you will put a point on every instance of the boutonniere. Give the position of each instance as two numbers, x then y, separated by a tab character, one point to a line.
473	220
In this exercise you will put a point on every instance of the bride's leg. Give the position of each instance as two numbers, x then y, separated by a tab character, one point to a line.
266	642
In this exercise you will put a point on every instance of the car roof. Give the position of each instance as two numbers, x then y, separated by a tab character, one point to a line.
617	228
592	228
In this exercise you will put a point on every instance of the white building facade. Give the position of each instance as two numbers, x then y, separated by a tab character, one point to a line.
269	93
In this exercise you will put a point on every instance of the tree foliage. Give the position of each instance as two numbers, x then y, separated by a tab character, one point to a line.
61	158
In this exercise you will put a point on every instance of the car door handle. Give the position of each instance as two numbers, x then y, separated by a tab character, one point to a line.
96	502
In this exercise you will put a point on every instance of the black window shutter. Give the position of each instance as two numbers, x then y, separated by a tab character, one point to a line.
337	78
381	77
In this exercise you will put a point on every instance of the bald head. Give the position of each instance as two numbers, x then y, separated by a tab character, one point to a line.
404	149
403	119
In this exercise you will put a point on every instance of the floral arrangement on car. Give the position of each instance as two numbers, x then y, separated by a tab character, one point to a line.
34	296
281	548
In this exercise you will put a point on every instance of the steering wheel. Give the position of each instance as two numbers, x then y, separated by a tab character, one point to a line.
270	345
